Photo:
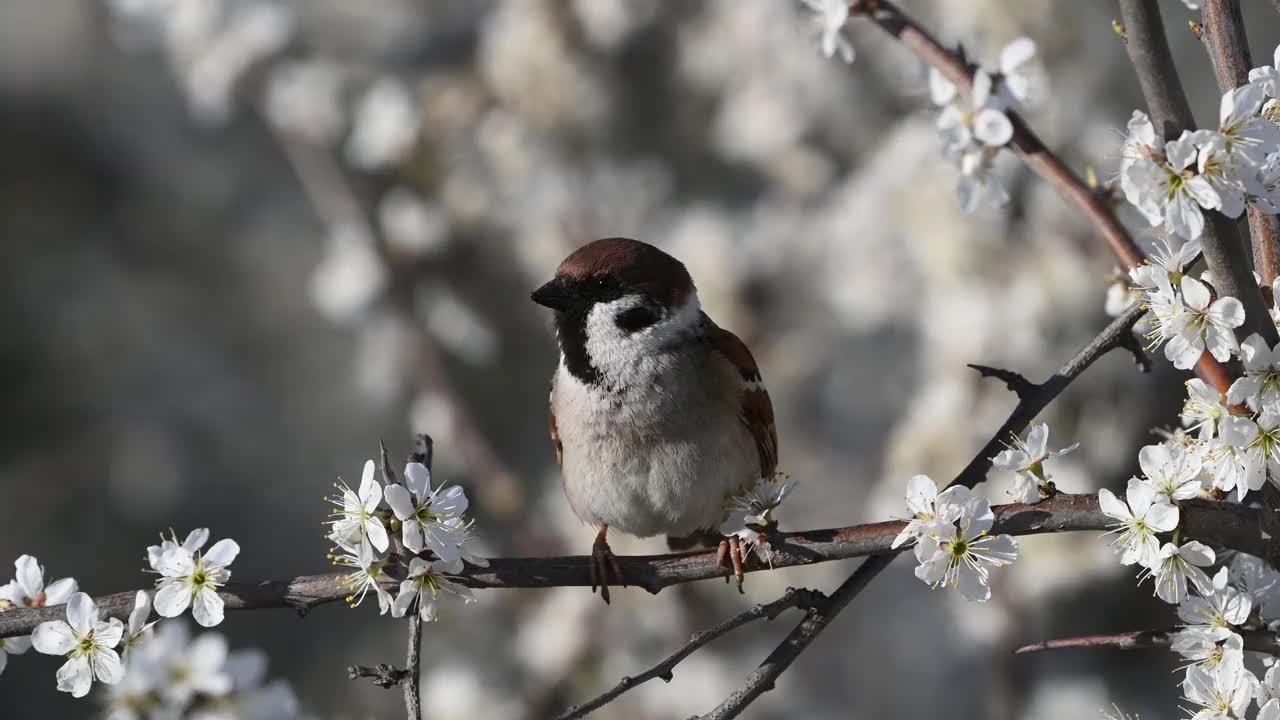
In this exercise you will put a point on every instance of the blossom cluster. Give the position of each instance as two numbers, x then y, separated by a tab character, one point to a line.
1224	169
93	647
973	126
175	675
951	529
412	533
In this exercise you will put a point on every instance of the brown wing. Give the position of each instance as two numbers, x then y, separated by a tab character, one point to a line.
555	433
757	410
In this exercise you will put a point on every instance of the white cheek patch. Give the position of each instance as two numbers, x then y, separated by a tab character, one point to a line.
622	356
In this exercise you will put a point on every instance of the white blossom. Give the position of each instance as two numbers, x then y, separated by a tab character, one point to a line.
1260	386
366	574
27	589
1203	410
192	578
1218	613
426	584
1256	578
1263	185
1027	459
832	16
930	510
1168	190
1146	514
1258	445
1172	469
1242	134
87	643
1222	692
425	512
961	554
1203	325
357	519
1202	649
1176	565
138	629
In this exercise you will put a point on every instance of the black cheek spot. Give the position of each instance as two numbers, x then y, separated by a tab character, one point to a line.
635	319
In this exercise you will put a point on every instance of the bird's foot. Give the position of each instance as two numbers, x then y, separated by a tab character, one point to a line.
605	569
729	555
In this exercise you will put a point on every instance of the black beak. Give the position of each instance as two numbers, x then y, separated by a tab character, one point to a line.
554	295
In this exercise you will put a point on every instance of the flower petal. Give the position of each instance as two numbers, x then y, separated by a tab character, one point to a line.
82	613
141	611
223	553
1112	506
172	599
107	667
206	608
75	677
400	501
53	638
30	575
196	539
1162	517
60	591
418	478
921	492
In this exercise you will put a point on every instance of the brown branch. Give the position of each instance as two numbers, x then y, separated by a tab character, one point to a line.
1149	53
413	669
1222	524
1224	37
1254	640
792	598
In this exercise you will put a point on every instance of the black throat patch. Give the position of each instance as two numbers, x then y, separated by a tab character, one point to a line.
571	331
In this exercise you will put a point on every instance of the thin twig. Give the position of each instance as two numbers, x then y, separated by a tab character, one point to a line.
1224	37
792	598
1254	640
1222	524
413	669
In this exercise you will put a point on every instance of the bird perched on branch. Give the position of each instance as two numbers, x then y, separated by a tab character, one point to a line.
658	415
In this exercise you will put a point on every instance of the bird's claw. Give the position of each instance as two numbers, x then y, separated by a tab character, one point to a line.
605	569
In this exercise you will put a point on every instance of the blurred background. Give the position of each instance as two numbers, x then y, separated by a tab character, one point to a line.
242	240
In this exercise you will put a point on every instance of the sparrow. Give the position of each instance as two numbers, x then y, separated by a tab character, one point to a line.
658	415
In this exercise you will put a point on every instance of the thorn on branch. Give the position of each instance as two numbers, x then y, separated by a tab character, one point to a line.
1016	383
388	474
384	676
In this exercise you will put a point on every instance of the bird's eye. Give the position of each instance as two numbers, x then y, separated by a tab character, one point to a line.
636	318
602	282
